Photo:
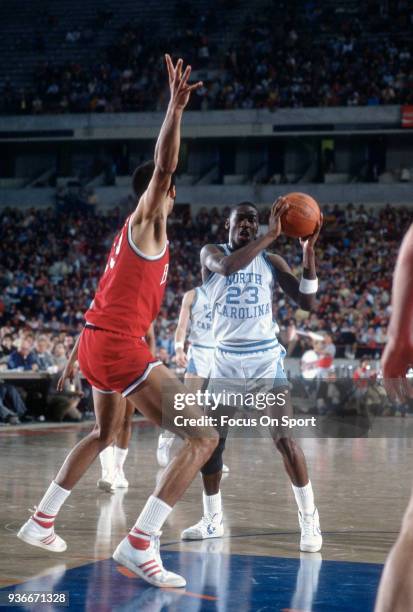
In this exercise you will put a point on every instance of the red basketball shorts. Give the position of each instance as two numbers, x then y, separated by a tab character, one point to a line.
112	362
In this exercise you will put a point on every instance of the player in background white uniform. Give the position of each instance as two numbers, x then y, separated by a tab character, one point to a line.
239	280
195	309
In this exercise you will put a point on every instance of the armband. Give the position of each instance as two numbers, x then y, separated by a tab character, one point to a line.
308	285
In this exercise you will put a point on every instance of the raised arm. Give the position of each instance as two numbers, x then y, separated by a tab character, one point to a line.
180	332
149	218
214	260
303	293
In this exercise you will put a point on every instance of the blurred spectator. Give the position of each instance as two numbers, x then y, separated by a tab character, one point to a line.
45	359
12	407
23	358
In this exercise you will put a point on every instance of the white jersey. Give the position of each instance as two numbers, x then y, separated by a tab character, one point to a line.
242	319
201	321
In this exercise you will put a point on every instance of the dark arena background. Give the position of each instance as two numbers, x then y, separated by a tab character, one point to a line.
310	96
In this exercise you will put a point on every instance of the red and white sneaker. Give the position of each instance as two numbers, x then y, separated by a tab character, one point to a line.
39	531
147	563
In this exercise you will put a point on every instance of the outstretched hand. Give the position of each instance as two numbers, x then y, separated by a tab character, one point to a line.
178	83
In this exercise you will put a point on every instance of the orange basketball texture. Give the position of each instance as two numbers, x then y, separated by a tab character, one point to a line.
302	217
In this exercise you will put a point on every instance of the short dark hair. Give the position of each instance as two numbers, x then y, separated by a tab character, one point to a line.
142	177
234	208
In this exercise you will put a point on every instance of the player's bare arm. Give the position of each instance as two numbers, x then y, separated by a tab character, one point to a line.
214	260
289	282
398	354
67	373
180	333
149	218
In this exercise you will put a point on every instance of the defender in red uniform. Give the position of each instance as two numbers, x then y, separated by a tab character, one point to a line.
113	354
116	360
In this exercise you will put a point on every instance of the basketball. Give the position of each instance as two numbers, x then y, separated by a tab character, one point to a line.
302	217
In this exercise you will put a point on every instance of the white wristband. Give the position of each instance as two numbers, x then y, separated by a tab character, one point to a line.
308	285
179	345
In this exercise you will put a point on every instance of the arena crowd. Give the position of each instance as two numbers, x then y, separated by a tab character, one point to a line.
283	56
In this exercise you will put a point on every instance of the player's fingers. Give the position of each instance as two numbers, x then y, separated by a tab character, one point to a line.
169	66
278	203
178	70
194	86
59	385
281	209
185	77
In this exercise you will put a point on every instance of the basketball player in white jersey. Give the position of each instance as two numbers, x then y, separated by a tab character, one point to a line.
239	279
195	309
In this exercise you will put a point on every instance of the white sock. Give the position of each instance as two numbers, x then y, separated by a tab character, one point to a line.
304	497
53	499
119	456
153	516
212	503
106	459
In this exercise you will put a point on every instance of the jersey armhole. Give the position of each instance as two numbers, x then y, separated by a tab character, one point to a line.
270	265
137	249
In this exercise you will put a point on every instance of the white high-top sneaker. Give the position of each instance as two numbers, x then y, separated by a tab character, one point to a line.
36	535
105	483
165	442
311	538
210	526
119	480
147	564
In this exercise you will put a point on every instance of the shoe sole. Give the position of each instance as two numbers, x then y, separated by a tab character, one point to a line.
105	485
28	540
122	486
187	538
119	558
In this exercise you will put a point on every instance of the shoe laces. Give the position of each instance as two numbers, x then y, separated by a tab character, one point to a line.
207	519
155	544
308	524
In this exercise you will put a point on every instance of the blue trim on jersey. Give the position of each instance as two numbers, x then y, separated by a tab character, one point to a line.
195	298
208	280
270	265
247	344
256	350
202	346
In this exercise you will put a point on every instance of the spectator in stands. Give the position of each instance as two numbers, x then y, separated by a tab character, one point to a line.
44	358
60	356
23	358
12	407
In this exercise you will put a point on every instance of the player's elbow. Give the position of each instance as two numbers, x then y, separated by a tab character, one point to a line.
165	168
226	268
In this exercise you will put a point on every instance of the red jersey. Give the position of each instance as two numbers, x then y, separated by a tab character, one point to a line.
131	289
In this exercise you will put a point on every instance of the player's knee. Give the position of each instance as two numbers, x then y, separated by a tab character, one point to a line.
204	447
215	462
104	435
286	446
